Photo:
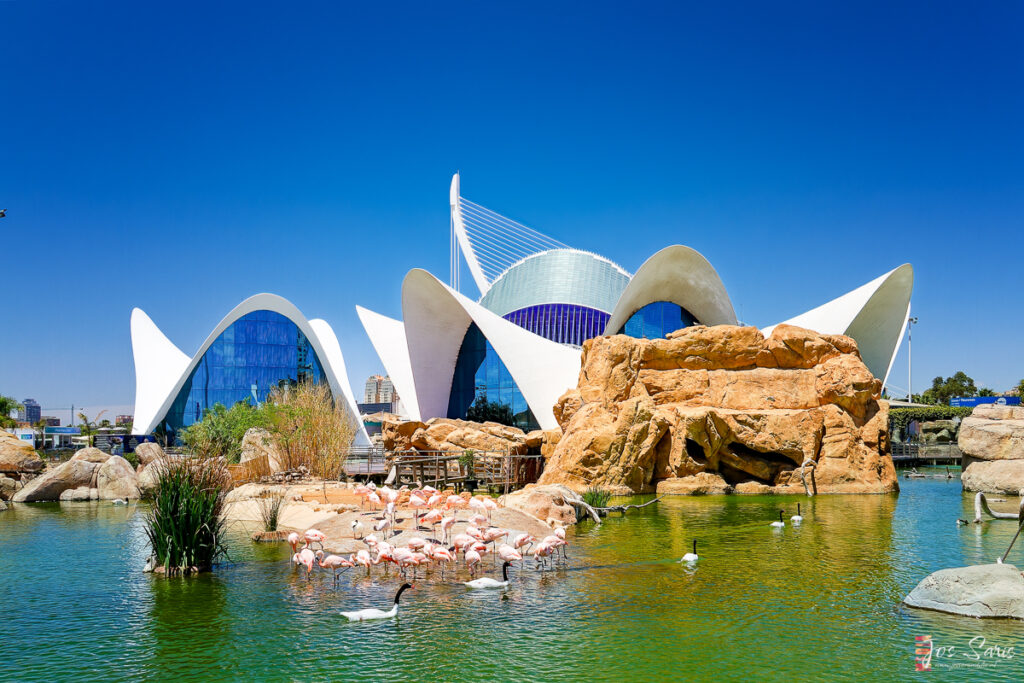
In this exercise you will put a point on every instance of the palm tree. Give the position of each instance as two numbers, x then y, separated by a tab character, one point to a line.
40	427
8	405
89	427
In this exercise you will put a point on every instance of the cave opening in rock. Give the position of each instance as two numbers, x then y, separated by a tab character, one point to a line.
696	452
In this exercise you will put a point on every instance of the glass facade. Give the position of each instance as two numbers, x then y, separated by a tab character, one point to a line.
253	355
480	374
657	319
562	323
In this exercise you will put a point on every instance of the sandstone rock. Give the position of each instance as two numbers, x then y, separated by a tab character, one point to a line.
75	473
993	411
938	431
727	401
146	479
79	494
988	590
445	434
148	452
700	484
990	438
116	479
534	439
8	487
551	439
994	476
753	488
545	503
3	506
17	455
90	454
258	445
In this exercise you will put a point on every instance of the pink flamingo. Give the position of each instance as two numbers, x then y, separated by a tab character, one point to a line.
434	500
363	558
472	560
432	518
523	540
293	541
446	526
315	536
441	554
478	520
489	504
373	499
417	503
334	563
306	558
382	526
416	543
508	554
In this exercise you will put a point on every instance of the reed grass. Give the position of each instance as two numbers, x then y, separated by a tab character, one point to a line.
185	523
270	506
596	497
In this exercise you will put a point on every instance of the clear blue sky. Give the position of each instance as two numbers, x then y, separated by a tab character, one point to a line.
180	158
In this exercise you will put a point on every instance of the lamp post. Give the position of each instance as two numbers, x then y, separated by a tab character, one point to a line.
910	360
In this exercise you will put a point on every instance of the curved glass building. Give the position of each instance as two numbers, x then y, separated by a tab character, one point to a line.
259	351
655	320
265	342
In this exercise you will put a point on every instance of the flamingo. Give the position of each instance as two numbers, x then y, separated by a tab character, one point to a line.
370	540
472	560
478	520
543	550
334	563
446	526
434	500
363	558
357	528
477	504
523	540
315	536
369	613
373	499
432	518
488	582
306	557
456	502
474	532
416	543
489	504
508	554
417	503
441	554
382	526
293	541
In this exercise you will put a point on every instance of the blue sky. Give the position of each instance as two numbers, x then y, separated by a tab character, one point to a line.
182	157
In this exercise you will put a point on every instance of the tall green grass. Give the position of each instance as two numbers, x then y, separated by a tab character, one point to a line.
270	506
185	523
596	497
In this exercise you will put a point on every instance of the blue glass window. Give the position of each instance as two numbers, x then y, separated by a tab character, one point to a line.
657	319
257	352
562	323
480	374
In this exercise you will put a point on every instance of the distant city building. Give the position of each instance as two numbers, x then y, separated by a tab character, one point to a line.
379	390
32	411
122	420
51	421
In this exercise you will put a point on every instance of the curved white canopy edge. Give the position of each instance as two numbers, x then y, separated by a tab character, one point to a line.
387	336
152	384
436	320
682	276
874	315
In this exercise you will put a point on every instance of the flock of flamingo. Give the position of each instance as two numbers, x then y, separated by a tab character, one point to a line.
430	552
468	548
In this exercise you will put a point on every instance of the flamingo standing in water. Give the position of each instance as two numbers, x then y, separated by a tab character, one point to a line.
305	557
315	536
441	554
509	554
489	504
472	560
446	526
334	563
523	540
363	558
293	541
417	504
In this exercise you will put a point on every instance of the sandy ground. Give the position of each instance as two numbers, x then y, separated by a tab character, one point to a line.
307	507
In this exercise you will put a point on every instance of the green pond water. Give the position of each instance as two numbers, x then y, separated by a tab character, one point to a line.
818	601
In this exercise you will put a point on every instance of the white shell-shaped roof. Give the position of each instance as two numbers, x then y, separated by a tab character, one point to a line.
161	369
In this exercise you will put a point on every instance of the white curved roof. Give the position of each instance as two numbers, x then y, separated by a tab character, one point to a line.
682	276
161	369
436	320
557	276
388	338
874	314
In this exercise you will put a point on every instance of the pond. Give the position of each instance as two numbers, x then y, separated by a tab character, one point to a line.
818	601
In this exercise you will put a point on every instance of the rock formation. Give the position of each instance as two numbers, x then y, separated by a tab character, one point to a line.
546	504
260	453
992	441
987	590
444	434
102	476
721	407
17	457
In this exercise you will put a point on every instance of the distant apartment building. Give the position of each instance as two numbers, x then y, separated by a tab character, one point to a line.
31	413
122	420
379	390
51	421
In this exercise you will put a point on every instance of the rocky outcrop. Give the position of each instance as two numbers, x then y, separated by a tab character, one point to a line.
260	453
992	441
105	477
547	504
727	401
938	431
17	456
987	590
149	452
700	484
444	434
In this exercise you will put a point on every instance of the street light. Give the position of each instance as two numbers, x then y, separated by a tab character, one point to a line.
910	365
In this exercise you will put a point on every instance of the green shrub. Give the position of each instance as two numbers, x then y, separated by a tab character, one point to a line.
132	459
270	506
899	418
596	497
219	434
185	523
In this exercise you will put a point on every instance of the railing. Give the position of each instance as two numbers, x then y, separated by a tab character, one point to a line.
916	453
493	469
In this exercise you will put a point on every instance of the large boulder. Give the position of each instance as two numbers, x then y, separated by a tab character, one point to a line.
116	479
147	476
987	590
17	455
74	473
938	431
148	452
727	401
260	452
545	503
994	476
993	433
700	484
445	434
8	487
